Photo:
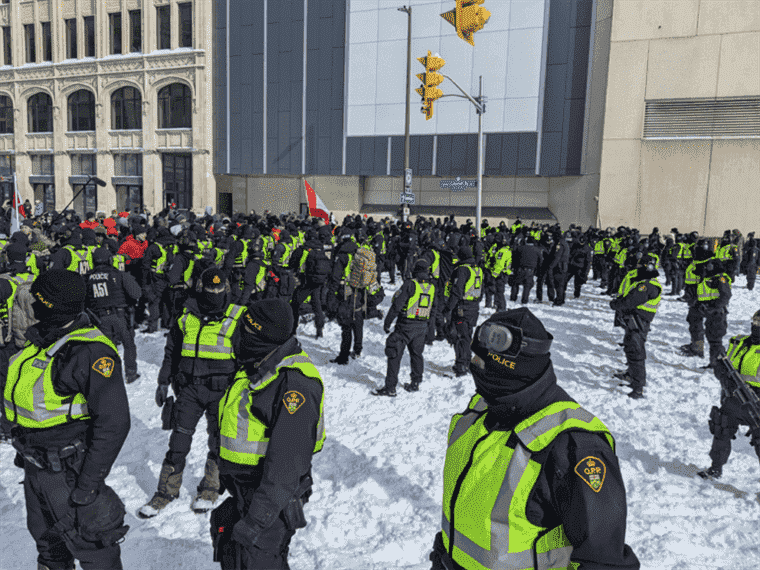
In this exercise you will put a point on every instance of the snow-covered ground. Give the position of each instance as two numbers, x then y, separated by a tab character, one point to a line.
378	480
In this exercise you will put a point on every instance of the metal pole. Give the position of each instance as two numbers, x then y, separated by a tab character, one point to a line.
480	158
408	10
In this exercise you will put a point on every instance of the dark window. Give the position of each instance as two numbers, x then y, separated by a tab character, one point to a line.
126	109
8	54
71	38
174	107
31	53
87	201
114	21
45	193
178	180
164	27
89	36
40	107
6	115
47	44
83	164
135	30
128	164
128	198
42	164
82	111
186	24
7	168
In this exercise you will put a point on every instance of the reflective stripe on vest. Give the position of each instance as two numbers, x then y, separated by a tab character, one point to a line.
261	279
212	340
420	303
494	486
626	281
187	276
474	283
285	257
31	264
157	265
242	257
78	263
707	293
691	277
242	439
30	399
435	268
651	304
746	359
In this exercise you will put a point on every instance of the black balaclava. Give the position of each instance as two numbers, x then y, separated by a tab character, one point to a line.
755	334
59	297
497	375
266	325
213	297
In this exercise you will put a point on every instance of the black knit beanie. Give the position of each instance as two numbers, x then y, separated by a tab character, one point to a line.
16	252
271	320
499	375
62	294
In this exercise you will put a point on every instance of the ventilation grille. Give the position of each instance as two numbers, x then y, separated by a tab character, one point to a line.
702	118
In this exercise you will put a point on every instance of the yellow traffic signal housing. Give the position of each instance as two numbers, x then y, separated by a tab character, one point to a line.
468	17
429	91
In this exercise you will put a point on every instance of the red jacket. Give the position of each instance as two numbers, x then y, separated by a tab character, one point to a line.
89	225
133	248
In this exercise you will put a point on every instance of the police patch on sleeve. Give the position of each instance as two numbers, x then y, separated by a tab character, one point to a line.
642	287
293	400
104	366
592	470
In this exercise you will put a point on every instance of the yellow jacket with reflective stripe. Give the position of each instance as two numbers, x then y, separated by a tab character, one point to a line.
212	340
745	357
706	293
486	486
420	303
651	304
30	399
242	435
79	262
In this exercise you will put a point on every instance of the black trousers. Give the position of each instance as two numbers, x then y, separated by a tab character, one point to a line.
579	276
5	355
559	277
410	336
731	409
465	317
47	502
751	276
154	295
524	277
300	296
696	327
118	331
193	401
634	346
271	550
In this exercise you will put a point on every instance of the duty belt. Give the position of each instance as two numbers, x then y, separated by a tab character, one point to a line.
48	458
113	311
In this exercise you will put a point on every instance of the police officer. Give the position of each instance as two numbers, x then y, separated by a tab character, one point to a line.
316	271
72	256
348	302
695	316
713	295
155	263
497	268
109	291
199	364
68	442
637	306
462	306
527	257
751	259
413	305
724	422
525	461
580	263
267	445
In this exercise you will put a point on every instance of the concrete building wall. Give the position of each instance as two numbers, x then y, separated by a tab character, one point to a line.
679	49
148	71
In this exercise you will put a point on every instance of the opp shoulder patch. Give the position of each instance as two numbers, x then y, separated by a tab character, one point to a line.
293	400
642	287
592	470
104	366
722	279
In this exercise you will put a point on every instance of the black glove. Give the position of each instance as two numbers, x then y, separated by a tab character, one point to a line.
82	498
387	327
161	392
246	533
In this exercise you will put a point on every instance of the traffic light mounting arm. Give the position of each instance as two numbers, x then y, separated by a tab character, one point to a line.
479	106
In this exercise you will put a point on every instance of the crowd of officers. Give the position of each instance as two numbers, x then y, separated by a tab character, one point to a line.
230	292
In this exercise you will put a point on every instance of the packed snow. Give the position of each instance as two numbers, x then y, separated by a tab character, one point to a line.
378	481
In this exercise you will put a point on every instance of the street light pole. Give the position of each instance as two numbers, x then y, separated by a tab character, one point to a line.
479	198
408	10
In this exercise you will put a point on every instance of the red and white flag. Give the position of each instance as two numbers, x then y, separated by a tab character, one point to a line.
317	207
18	208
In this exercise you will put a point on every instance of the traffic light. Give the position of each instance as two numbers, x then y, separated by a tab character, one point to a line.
430	80
468	17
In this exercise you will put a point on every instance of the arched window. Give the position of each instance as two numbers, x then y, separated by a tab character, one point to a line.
6	115
174	107
82	111
126	109
40	107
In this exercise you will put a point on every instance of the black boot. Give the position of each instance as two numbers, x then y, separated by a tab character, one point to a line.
413	386
340	360
713	472
384	392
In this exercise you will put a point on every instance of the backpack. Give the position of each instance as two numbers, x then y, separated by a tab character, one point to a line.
318	266
363	269
21	314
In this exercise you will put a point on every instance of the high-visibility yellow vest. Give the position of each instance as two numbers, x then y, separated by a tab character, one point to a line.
691	277
31	264
30	399
745	357
502	261
119	262
472	288
79	262
242	257
651	304
285	258
706	293
626	281
158	265
435	268
212	340
487	483
243	440
420	303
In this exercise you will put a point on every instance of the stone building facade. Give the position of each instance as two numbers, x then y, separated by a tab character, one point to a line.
116	88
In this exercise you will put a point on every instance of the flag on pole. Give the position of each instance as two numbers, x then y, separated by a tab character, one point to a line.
317	207
17	203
